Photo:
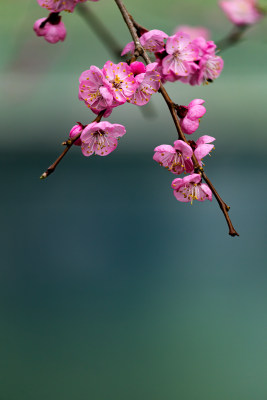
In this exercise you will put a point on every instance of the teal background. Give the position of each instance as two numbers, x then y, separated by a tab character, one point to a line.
110	288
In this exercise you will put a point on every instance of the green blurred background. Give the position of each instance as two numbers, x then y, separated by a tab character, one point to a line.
110	288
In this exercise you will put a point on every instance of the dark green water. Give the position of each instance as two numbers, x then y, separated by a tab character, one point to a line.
111	289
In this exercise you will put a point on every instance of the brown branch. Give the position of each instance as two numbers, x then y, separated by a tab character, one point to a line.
232	38
68	143
140	51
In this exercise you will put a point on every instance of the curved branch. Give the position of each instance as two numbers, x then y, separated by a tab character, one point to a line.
140	51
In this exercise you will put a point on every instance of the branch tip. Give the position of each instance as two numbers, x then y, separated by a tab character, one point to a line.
44	175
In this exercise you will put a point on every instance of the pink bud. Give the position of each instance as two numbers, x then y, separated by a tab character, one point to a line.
52	33
74	131
137	67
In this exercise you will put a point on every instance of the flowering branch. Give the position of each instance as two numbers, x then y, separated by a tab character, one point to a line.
140	51
68	143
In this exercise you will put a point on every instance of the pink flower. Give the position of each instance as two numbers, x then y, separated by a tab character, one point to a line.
176	159
241	12
101	138
119	80
193	31
181	54
209	65
190	115
60	5
52	33
93	90
152	41
148	84
203	148
76	129
129	48
209	68
204	46
190	188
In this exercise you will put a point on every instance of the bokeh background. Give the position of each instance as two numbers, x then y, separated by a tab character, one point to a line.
110	288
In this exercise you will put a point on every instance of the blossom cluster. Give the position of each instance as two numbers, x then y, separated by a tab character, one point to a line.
116	84
178	158
181	57
52	28
188	56
107	88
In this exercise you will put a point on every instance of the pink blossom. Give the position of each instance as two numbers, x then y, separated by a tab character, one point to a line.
129	48
52	33
204	46
101	138
119	80
152	41
190	115
193	31
241	12
203	148
191	188
176	159
168	77
148	84
181	54
209	65
93	90
60	5
74	131
209	68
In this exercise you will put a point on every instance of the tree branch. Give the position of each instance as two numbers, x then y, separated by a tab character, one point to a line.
232	38
140	51
68	143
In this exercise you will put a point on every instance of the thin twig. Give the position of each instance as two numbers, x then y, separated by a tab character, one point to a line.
232	38
68	143
100	29
140	51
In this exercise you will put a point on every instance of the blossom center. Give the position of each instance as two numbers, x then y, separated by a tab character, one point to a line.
117	82
177	54
191	192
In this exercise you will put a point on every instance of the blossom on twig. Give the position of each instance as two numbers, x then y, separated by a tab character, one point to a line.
152	41
203	147
75	130
101	138
191	188
148	83
190	115
52	32
176	159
